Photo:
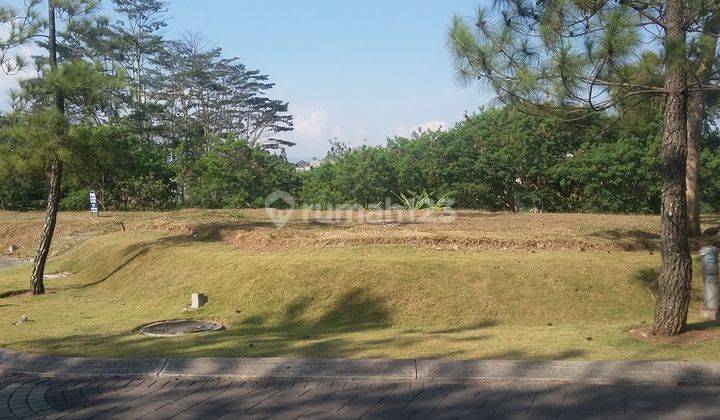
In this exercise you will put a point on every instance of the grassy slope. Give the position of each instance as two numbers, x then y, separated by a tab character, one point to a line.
348	301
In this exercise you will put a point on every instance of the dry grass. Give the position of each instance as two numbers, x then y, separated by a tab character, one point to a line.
252	229
484	286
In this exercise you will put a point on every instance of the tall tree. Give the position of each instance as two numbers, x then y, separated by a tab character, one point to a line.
131	44
138	29
204	93
568	57
676	270
704	65
37	285
139	45
52	125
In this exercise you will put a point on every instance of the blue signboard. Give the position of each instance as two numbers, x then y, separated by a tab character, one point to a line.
94	203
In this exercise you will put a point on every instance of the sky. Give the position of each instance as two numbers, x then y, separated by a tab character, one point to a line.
357	70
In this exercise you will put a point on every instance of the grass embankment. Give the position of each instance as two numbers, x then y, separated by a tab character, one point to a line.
484	286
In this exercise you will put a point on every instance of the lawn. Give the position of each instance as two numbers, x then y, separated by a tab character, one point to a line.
513	286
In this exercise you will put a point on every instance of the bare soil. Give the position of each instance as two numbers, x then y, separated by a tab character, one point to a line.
691	336
254	230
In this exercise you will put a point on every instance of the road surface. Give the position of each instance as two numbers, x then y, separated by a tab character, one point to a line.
163	398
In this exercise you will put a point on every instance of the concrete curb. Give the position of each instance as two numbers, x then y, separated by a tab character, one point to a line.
31	364
345	369
596	372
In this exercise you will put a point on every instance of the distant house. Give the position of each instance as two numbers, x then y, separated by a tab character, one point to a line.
302	165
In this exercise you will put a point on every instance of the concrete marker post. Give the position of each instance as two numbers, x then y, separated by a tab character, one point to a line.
711	282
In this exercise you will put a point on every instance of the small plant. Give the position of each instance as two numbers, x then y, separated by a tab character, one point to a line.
423	201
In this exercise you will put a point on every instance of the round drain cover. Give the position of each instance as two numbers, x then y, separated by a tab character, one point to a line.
179	327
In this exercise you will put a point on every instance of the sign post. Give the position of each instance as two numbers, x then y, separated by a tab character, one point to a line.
94	209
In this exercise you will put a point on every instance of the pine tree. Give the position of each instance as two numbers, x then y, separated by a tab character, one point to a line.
571	58
703	67
43	132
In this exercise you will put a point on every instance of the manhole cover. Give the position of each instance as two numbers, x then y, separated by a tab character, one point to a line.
179	327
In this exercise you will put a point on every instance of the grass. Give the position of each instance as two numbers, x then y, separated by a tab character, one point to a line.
536	287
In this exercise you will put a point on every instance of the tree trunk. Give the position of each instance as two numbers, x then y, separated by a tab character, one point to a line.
695	117
37	285
676	273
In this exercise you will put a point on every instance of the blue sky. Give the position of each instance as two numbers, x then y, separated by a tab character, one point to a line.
359	70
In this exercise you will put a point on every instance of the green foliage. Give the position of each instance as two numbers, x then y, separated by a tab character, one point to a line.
148	123
518	157
126	172
446	163
424	201
554	55
19	27
233	174
614	177
709	170
359	177
75	199
144	192
152	123
319	186
34	139
21	192
499	159
504	160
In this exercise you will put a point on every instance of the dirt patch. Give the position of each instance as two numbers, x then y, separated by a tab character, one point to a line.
272	239
253	229
56	275
694	336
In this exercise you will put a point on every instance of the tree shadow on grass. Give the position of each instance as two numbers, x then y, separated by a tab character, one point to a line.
213	231
138	253
355	310
648	278
338	331
631	240
712	225
642	240
134	251
477	326
129	254
698	326
11	293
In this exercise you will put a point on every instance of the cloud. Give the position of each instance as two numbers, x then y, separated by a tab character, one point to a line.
9	82
312	133
426	126
313	126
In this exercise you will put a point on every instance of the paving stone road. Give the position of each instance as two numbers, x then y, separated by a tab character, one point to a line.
7	262
161	398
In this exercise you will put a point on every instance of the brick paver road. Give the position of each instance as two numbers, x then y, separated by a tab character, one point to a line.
158	398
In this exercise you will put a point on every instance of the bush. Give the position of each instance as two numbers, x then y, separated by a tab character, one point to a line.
75	200
234	174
